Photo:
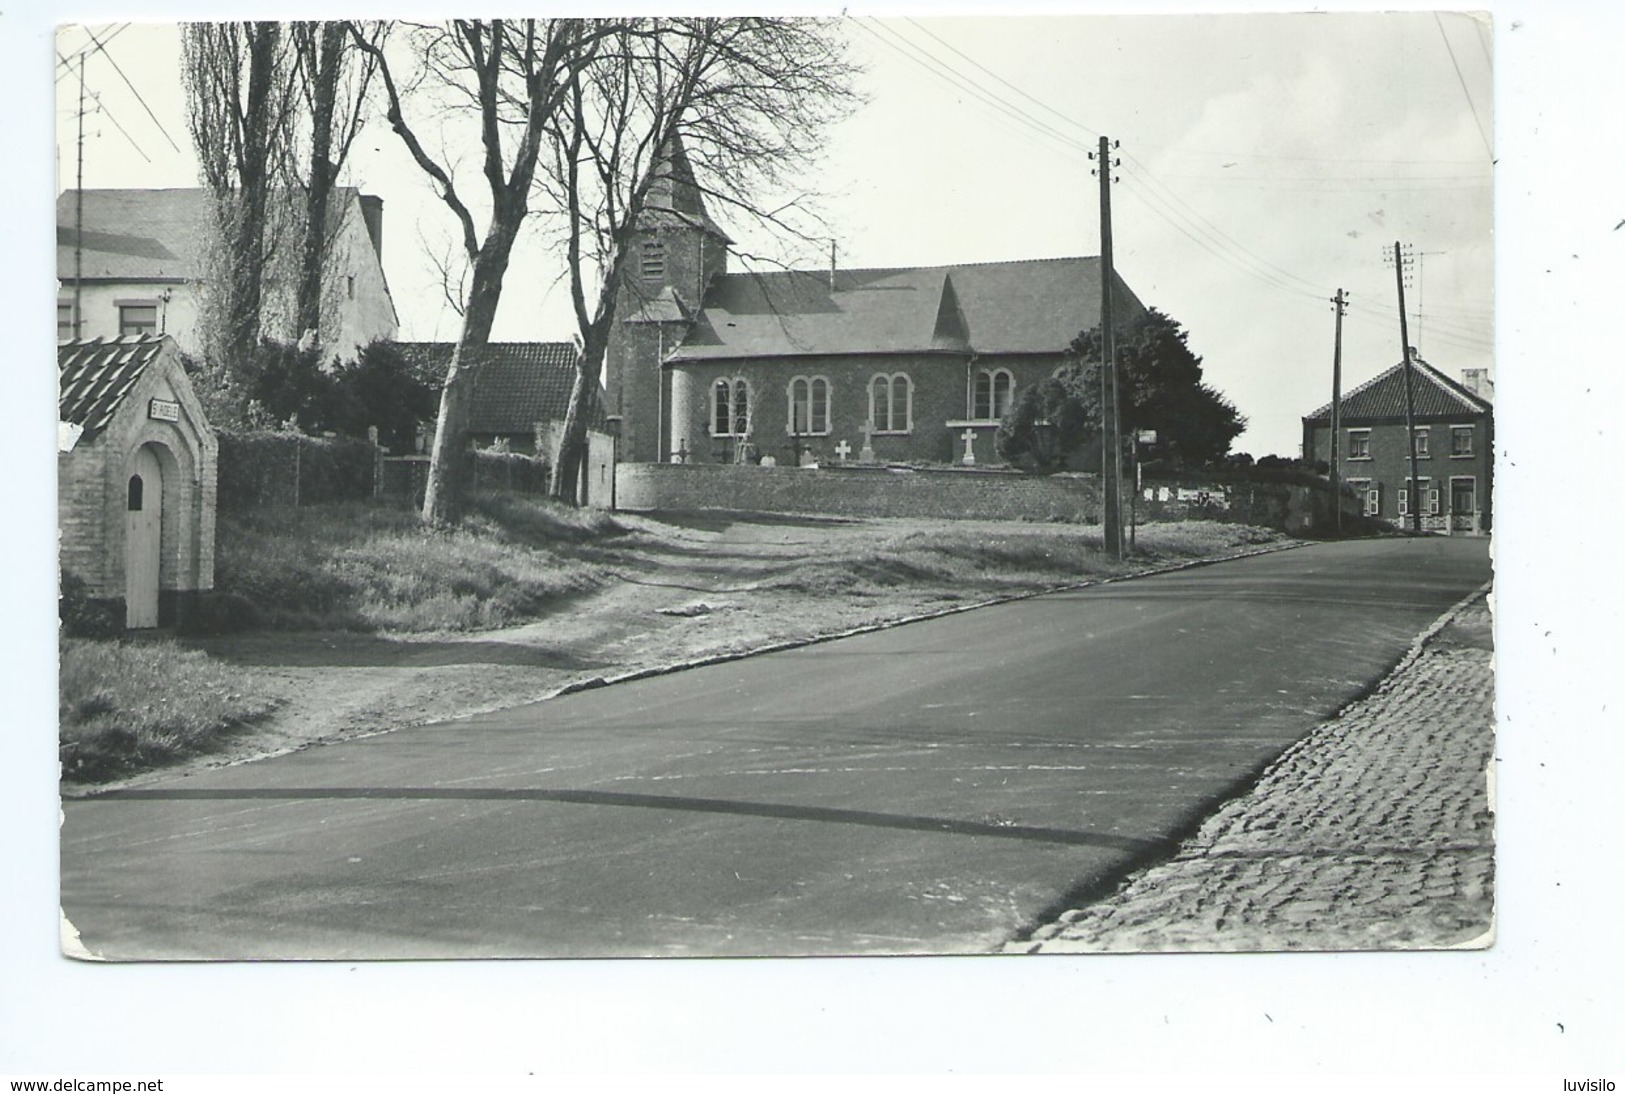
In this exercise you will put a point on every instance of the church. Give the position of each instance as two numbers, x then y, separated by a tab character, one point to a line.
901	365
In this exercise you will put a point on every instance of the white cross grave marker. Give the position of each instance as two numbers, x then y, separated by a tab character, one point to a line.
969	458
843	450
867	453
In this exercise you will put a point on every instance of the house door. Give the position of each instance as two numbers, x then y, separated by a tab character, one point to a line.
143	524
1463	500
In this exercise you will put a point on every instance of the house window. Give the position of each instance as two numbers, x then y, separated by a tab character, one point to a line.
1421	442
1461	441
995	390
349	286
133	498
1359	444
1367	496
891	403
653	264
809	406
730	407
137	318
1429	496
64	320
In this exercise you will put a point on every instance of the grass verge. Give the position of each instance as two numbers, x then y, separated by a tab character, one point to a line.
125	706
971	562
367	567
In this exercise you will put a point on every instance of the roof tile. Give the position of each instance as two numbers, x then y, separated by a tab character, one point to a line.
1382	398
518	385
94	376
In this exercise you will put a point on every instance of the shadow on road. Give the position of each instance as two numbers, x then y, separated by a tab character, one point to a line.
321	649
861	817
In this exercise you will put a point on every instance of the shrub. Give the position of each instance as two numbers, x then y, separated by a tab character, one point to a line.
265	469
85	616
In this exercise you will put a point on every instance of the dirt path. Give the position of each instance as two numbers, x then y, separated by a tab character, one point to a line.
690	588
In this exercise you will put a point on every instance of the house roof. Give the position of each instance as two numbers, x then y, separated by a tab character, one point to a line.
143	235
94	376
1033	306
518	385
131	235
1382	398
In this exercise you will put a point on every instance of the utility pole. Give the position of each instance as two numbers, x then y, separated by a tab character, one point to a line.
1339	301
1111	462
1413	501
79	208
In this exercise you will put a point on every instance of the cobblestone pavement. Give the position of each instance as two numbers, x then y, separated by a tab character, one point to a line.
1374	832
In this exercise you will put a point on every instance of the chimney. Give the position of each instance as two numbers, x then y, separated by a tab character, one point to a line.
832	265
1477	381
372	211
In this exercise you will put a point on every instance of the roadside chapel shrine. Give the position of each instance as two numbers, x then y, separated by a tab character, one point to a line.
136	467
884	365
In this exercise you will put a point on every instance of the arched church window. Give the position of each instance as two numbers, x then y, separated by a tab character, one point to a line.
891	403
809	406
730	407
995	391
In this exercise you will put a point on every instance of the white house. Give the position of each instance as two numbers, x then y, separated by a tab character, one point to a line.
134	262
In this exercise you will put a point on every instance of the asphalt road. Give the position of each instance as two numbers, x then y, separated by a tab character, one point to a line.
933	788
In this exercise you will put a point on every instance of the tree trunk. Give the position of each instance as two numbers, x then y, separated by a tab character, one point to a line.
246	236
445	495
327	53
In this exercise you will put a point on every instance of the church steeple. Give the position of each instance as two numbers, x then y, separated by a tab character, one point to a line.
676	250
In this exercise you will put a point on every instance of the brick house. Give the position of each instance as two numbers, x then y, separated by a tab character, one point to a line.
522	393
142	256
136	474
912	365
1455	433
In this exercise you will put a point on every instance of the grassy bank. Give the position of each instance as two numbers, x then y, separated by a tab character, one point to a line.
372	567
125	706
967	561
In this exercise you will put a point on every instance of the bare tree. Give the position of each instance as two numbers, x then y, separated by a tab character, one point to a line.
736	106
333	79
510	76
240	97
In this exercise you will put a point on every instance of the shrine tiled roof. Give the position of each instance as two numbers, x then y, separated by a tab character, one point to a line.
94	376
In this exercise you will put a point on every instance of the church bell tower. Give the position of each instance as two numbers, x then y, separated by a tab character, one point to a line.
675	252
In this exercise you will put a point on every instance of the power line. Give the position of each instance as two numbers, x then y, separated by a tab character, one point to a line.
1468	95
101	47
1030	98
943	71
66	63
101	108
1160	199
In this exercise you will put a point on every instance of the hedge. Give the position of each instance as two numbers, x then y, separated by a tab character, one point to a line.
279	469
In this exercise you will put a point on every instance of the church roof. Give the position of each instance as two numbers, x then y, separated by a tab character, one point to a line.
519	384
94	376
1382	398
1033	306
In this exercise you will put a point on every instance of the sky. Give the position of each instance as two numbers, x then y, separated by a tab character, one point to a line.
1263	162
930	175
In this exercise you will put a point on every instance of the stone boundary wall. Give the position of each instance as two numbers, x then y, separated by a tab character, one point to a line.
944	494
965	494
